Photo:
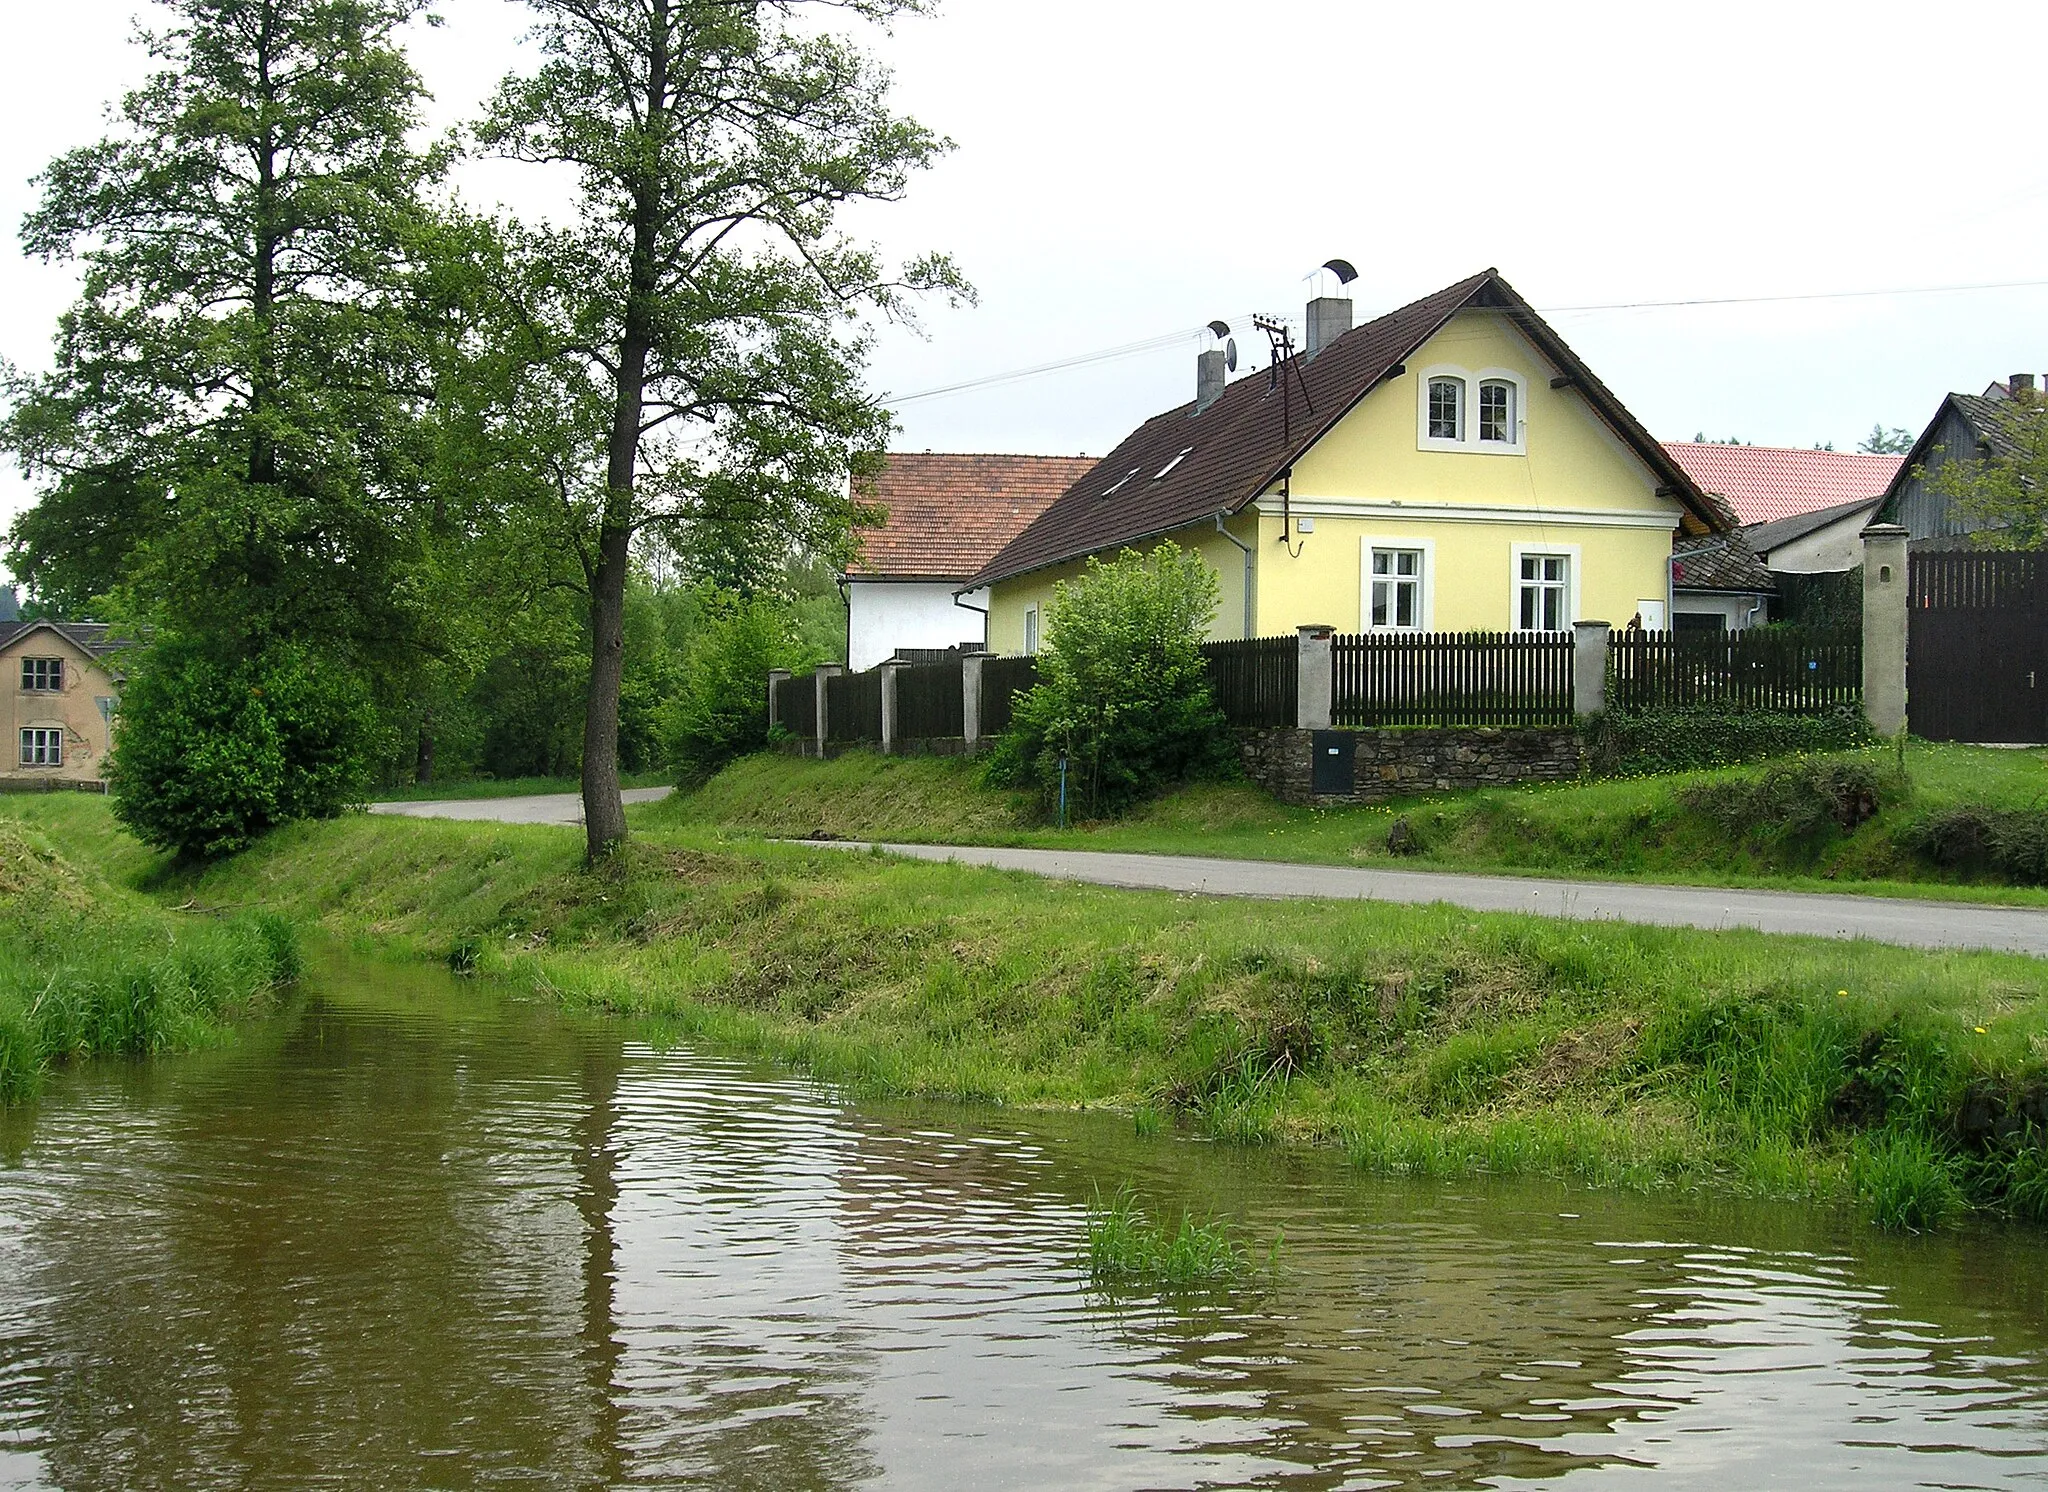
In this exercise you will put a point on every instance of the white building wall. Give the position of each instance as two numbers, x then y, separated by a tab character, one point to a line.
883	616
1828	550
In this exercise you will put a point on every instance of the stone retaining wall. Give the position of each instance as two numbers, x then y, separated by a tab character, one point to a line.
1392	763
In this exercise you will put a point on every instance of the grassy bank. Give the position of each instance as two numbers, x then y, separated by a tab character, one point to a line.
1426	1041
90	967
1651	828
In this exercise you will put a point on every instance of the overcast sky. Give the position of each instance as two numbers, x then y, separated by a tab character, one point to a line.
1128	169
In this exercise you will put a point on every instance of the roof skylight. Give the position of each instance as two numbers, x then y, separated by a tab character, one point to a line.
1174	462
1117	486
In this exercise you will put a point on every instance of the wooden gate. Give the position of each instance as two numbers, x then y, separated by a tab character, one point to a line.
1977	646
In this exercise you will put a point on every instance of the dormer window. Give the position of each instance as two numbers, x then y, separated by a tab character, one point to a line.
1497	411
1492	425
1447	409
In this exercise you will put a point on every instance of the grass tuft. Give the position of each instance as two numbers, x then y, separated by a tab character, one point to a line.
1126	1247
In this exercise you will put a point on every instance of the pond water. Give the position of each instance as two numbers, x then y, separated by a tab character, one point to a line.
417	1235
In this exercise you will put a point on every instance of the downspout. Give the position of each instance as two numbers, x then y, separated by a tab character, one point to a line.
982	611
1247	572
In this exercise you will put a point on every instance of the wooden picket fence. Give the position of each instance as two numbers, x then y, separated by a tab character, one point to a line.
1796	671
1452	679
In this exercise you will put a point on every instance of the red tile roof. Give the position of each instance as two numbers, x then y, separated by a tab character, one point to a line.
1185	466
1764	483
948	515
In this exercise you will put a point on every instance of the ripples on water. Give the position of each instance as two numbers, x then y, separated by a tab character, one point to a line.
413	1236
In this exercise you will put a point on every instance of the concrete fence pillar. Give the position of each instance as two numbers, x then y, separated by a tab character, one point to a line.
825	671
970	697
775	677
1314	675
1589	667
1884	627
890	668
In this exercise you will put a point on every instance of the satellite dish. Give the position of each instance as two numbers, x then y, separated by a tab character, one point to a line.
1220	328
1230	355
1342	269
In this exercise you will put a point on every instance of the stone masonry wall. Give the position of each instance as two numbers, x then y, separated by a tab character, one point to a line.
1396	762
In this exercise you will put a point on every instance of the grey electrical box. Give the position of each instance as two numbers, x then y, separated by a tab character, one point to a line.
1335	769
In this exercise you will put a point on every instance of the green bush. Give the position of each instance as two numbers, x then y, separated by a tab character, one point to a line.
720	710
1792	801
212	749
1691	738
1122	689
2011	844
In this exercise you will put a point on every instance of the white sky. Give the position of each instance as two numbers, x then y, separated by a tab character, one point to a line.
1128	168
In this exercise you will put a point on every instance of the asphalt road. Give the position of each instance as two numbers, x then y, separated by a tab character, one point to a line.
543	808
1910	924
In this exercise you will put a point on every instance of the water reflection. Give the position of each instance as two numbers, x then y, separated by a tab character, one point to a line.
418	1236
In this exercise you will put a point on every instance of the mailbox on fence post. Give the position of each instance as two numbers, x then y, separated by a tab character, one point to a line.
1333	771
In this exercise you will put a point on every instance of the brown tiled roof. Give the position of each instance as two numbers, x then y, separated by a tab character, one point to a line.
1182	468
948	515
1718	562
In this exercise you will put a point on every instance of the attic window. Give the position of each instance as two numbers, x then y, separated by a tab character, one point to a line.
1118	485
1174	462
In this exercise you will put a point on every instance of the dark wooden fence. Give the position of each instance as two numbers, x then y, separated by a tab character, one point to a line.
1796	671
1977	646
928	701
1255	681
1452	678
853	706
796	706
1002	680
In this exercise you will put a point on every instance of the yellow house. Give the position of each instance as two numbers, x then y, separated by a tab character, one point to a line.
58	698
1449	467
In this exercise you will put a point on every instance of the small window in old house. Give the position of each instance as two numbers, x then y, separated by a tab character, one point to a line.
1397	589
42	675
1447	409
1542	593
1497	411
1031	629
42	747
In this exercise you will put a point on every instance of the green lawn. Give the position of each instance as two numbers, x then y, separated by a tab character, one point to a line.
1627	829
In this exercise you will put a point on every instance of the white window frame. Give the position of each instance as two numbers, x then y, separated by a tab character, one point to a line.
1426	600
54	668
1573	576
1031	638
1469	441
37	740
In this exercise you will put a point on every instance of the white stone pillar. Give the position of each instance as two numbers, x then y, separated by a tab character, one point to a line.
825	671
1589	667
775	676
970	698
1884	627
889	673
1315	678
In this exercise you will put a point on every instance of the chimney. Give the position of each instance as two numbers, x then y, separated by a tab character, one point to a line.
10	604
1211	372
1329	317
2019	381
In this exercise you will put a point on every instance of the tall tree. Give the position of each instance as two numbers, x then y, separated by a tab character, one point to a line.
688	353
231	433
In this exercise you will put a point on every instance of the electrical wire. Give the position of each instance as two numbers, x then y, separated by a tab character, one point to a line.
1169	339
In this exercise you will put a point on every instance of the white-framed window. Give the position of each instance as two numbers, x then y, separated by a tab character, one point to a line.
1497	411
1446	415
1543	592
1395	600
1030	629
1396	583
42	746
42	675
1493	424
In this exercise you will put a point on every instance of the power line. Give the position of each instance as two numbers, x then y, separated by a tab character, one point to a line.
1765	300
1168	339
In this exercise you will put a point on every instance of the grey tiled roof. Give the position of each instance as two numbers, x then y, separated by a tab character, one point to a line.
1718	562
1764	537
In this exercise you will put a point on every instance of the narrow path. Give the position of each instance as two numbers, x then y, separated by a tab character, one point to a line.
542	808
1910	924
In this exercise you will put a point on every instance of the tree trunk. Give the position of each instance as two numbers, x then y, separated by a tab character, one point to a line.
604	811
423	764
